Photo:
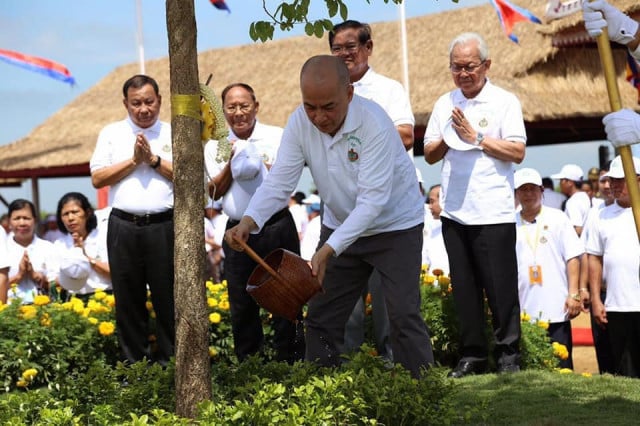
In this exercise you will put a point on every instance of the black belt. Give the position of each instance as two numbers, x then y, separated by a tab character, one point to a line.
273	219
144	219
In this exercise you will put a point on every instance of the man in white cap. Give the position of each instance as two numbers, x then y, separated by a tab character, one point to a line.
623	126
548	251
578	202
612	247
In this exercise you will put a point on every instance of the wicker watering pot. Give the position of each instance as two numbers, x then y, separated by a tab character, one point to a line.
281	283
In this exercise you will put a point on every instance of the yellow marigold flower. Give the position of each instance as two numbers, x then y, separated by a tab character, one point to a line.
525	317
209	285
214	318
152	314
560	350
149	305
212	302
99	295
27	311
110	300
41	300
543	324
45	320
92	320
3	306
444	280
224	305
106	328
29	374
586	374
213	352
429	279
424	268
565	371
22	383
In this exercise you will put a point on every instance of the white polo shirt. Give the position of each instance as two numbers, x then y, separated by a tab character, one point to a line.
363	175
477	189
550	242
612	235
144	190
577	208
387	93
247	165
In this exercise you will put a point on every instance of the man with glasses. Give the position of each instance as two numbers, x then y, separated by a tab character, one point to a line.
351	41
478	131
236	168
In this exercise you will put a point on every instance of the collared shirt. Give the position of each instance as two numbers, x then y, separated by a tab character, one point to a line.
247	165
612	236
549	243
477	189
577	208
363	175
95	245
144	190
43	259
387	93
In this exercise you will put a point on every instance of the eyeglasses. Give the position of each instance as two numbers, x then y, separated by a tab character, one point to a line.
348	48
244	108
469	68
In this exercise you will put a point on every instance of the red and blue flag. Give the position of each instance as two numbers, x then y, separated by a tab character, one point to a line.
36	64
509	14
220	4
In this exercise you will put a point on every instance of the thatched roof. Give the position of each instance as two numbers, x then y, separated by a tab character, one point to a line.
562	90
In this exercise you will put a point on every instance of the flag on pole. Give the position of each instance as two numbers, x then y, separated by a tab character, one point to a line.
220	4
509	14
36	64
633	73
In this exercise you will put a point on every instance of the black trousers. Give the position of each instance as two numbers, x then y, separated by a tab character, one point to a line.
483	262
248	337
561	332
602	343
624	333
141	255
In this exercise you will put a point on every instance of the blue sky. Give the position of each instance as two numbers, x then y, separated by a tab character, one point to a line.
93	37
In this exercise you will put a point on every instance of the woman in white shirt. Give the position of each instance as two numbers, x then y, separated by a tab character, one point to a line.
32	261
83	259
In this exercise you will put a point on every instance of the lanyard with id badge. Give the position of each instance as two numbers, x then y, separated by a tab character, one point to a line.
535	270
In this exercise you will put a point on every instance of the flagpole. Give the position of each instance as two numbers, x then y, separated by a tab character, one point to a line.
139	37
403	43
615	102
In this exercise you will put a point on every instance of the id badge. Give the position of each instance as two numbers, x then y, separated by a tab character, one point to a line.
535	275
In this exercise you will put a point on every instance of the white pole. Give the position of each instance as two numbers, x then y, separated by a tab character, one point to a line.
139	36
403	43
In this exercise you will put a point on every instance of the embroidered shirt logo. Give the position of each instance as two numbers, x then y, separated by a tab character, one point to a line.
354	146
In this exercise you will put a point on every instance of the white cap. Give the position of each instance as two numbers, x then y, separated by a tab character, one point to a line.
526	175
569	171
74	273
311	199
617	172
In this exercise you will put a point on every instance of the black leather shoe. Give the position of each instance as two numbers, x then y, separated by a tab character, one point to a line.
508	368
466	368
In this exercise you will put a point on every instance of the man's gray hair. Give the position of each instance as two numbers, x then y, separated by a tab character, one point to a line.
463	38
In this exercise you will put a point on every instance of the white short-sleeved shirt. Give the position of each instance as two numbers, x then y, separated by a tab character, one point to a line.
309	242
95	245
387	93
549	243
612	235
577	208
434	252
43	259
363	175
116	144
477	189
248	165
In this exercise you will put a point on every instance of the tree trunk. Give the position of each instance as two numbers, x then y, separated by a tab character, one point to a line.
193	374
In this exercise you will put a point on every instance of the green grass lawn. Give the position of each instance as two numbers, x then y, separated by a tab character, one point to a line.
551	398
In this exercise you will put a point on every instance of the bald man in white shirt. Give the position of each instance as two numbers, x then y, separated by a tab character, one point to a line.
372	218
